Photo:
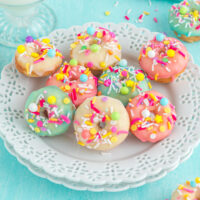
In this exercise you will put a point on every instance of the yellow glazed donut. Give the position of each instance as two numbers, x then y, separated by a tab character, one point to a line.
188	191
37	58
96	48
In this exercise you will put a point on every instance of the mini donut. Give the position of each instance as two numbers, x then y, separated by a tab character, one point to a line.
184	20
163	58
188	191
37	58
96	48
101	123
49	111
76	80
123	82
152	116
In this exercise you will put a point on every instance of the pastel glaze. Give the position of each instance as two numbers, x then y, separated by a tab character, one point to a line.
77	81
96	48
184	18
187	191
163	60
37	58
49	111
123	83
152	116
101	123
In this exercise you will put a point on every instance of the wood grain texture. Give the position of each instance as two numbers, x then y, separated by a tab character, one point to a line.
18	183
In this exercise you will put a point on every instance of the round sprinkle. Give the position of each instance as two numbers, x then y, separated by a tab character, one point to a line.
107	13
165	60
21	49
51	100
160	37
39	123
164	101
29	39
183	10
114	129
66	100
104	99
73	62
102	125
151	54
51	53
85	134
43	129
90	64
124	73
99	34
197	180
170	53
93	131
103	64
124	90
145	113
162	128
153	136
133	127
192	184
83	47
83	78
115	116
67	87
46	40
37	130
90	30
113	139
140	76
33	107
107	82
123	63
94	48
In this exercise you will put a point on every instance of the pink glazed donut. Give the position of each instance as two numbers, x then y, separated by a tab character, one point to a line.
152	116
75	80
163	58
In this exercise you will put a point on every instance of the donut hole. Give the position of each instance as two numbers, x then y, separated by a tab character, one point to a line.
72	77
45	113
161	52
31	50
101	125
91	42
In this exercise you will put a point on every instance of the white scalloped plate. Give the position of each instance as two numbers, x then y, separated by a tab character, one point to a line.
133	163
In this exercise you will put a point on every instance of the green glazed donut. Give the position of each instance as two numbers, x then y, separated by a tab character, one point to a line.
49	111
123	82
184	20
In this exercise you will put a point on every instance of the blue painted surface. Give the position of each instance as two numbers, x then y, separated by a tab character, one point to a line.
17	183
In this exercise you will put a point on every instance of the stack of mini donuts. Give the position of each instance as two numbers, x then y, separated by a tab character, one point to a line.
100	93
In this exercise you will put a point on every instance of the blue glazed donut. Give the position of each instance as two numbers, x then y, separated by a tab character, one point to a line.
123	82
184	20
49	111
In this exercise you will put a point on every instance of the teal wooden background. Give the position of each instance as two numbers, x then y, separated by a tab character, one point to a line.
18	183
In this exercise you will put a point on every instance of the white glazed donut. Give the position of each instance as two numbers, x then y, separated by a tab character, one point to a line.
37	58
96	48
101	123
